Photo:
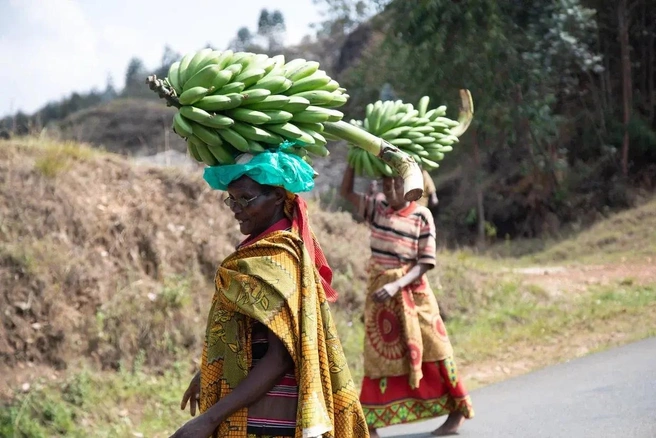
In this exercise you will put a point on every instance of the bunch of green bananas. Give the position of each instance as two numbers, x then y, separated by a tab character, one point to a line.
237	102
424	134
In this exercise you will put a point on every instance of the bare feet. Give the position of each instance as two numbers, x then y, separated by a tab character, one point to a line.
373	433
451	425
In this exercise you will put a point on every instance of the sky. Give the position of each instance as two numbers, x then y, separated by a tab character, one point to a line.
51	48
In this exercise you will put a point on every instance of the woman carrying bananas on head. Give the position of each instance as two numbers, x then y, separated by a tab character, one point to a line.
410	373
272	364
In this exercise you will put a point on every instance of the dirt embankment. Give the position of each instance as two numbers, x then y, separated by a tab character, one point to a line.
104	259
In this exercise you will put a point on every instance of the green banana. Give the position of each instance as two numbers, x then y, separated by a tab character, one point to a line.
193	151
422	106
208	135
248	115
381	167
221	79
368	109
338	100
235	139
319	150
274	101
447	121
303	71
316	127
424	129
413	135
399	142
224	58
287	130
367	165
232	87
299	152
311	115
219	102
438	125
317	97
277	116
394	133
204	153
236	69
193	95
275	84
424	140
256	133
296	104
198	57
173	77
409	115
255	95
222	155
374	117
318	79
254	147
204	78
317	139
205	118
242	58
182	126
292	65
250	76
182	70
436	155
333	85
195	114
358	158
429	163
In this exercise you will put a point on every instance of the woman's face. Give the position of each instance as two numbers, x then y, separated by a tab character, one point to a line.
256	207
393	190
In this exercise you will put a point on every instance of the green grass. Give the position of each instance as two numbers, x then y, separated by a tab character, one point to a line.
516	315
122	404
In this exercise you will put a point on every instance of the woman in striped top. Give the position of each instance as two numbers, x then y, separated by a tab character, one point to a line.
410	373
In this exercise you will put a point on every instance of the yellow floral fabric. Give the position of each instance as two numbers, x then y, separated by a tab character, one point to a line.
275	282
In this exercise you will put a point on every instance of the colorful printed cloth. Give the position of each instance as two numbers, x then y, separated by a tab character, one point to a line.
409	369
275	282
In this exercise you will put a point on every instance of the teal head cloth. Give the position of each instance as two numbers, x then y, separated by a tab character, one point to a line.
273	168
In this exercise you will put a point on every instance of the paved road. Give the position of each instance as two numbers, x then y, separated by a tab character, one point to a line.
609	394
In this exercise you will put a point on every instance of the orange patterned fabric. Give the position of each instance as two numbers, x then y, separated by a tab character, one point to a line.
275	282
404	331
296	210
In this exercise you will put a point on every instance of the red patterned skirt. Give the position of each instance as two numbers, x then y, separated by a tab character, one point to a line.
410	374
390	400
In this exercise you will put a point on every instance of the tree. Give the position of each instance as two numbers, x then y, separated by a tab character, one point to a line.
271	26
110	91
169	56
135	73
243	41
522	60
343	16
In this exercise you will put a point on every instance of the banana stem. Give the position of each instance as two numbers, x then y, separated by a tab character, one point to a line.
164	92
465	114
402	163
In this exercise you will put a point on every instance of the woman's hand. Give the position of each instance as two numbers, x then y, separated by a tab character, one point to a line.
386	292
201	427
192	393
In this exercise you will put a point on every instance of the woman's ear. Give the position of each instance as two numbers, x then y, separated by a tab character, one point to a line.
280	195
